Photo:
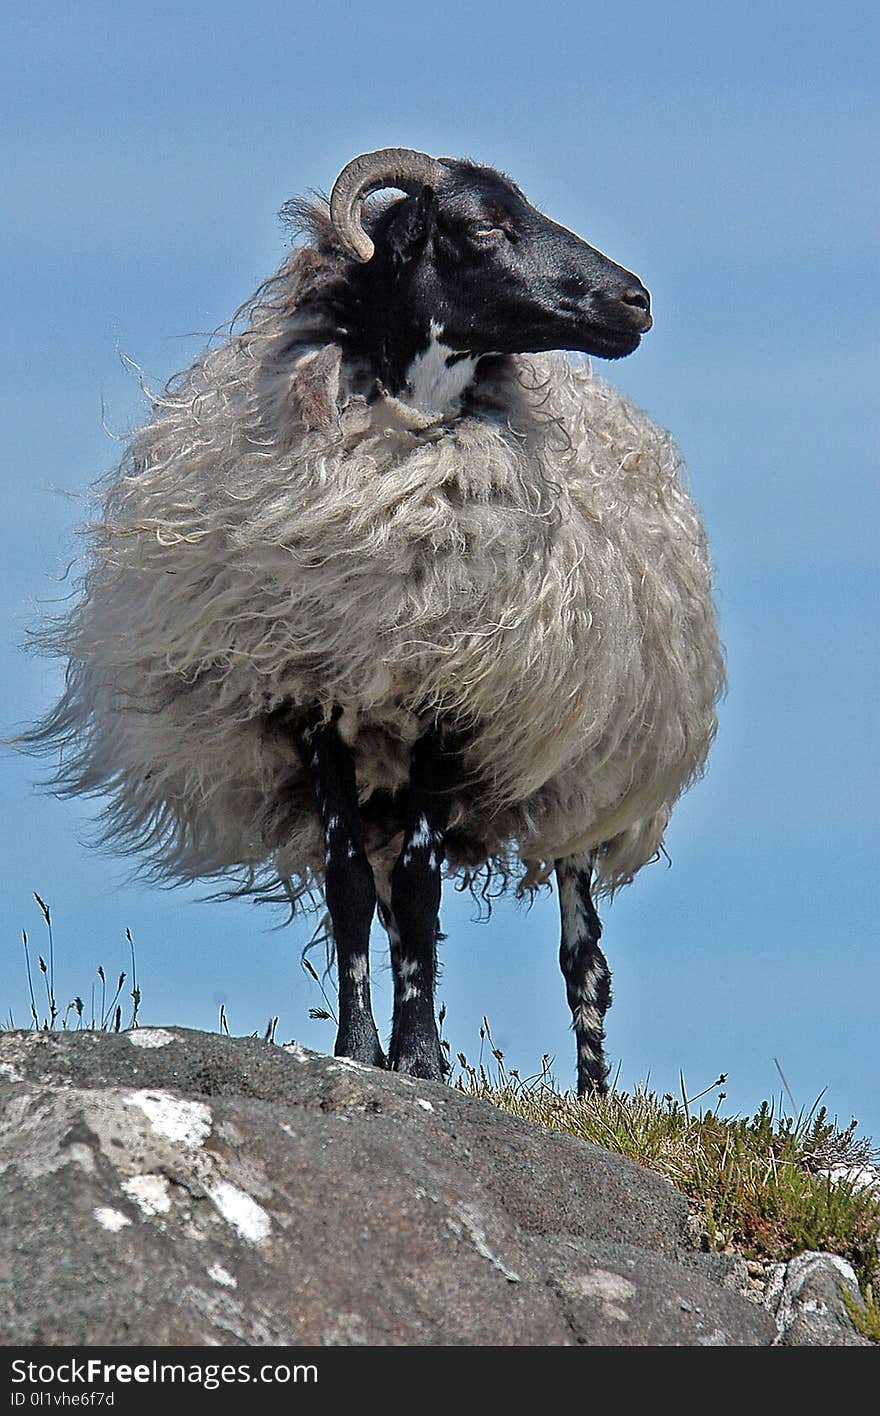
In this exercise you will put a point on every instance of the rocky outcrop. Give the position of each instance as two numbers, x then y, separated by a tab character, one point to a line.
805	1297
171	1187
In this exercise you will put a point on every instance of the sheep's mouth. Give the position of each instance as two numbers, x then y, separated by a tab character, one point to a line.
601	341
604	338
609	344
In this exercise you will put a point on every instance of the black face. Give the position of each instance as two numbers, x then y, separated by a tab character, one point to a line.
500	277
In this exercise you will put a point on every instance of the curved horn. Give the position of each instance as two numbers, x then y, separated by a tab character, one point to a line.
402	168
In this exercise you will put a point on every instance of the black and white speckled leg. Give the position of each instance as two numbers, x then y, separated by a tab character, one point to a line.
348	886
411	916
585	968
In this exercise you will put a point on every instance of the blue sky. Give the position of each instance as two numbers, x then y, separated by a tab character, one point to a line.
720	151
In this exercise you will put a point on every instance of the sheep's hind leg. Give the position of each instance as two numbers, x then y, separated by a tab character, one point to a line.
348	886
585	968
411	917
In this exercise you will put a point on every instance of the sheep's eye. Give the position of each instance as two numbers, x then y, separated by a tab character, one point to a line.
489	233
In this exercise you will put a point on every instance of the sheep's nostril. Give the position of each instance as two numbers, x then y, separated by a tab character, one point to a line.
640	299
638	303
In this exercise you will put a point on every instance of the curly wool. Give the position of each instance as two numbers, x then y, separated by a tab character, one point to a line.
531	571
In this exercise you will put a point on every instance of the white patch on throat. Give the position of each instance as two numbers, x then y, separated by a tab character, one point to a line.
432	384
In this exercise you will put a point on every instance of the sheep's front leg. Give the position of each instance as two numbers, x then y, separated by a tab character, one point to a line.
348	886
585	968
411	916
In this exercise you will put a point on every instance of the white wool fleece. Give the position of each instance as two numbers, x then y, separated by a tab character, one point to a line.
532	570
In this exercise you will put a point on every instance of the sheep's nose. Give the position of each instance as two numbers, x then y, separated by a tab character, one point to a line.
638	301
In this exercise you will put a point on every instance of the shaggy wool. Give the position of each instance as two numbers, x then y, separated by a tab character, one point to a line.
529	570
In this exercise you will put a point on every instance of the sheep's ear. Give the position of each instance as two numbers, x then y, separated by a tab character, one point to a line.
314	385
411	224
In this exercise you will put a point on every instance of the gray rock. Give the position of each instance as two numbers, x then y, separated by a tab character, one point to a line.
173	1187
805	1300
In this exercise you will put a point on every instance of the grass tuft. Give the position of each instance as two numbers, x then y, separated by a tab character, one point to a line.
108	1015
758	1186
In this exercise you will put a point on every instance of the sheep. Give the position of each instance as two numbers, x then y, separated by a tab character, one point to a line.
388	586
